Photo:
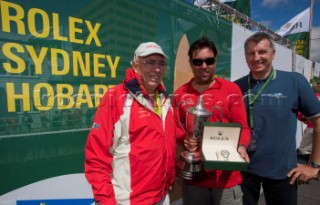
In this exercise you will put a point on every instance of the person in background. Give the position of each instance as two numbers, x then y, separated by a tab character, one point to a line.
43	118
131	148
273	100
217	187
305	147
56	120
27	121
77	117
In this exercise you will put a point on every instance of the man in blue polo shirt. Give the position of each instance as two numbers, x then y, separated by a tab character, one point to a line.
273	99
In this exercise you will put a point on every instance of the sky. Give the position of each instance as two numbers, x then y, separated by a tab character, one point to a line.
275	13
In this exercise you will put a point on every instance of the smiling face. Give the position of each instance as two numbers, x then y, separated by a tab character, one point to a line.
259	57
203	70
151	70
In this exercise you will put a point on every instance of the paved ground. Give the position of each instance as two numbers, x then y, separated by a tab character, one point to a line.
308	194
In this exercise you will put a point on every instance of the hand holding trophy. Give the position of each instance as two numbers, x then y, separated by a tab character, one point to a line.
189	164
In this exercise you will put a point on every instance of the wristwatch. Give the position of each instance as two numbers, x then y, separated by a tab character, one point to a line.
225	153
313	164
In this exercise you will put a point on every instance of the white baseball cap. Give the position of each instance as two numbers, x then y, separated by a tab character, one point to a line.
148	48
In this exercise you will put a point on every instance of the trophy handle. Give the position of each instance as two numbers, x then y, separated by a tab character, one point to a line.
178	111
220	110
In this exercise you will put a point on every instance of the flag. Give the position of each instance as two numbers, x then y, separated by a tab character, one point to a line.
298	24
200	2
297	30
243	6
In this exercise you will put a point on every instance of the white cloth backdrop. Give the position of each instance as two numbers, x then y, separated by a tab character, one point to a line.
239	68
303	66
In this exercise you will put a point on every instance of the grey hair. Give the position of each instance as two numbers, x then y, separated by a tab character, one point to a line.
257	37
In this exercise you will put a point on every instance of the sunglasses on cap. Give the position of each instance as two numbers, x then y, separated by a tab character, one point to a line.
208	61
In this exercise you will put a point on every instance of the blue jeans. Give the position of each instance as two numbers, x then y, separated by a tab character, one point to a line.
279	192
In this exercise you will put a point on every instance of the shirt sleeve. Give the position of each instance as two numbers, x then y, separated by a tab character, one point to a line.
178	113
238	114
309	104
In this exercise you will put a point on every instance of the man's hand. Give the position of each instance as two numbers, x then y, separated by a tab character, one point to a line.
243	153
303	173
190	143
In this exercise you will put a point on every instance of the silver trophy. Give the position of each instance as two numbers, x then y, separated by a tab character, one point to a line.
189	164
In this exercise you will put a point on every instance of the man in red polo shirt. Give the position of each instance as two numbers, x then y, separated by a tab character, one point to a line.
217	187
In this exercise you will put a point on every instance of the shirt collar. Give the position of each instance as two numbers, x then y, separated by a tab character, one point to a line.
216	85
252	80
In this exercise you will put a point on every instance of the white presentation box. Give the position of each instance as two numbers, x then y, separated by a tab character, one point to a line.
219	146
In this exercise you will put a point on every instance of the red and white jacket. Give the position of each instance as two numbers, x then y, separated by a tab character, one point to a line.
130	151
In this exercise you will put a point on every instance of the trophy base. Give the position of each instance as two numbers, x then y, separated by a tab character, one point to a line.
189	166
190	175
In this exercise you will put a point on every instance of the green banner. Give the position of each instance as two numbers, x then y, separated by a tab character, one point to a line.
57	60
301	41
243	6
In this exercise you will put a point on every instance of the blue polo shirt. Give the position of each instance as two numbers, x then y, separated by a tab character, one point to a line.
275	120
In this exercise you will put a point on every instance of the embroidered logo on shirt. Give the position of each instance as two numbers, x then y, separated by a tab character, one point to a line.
143	113
95	126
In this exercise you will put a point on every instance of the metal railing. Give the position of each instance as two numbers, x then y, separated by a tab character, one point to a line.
217	6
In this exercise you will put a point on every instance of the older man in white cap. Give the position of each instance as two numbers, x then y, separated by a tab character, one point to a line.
131	148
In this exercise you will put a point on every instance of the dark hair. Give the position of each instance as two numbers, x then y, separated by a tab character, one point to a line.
202	42
257	37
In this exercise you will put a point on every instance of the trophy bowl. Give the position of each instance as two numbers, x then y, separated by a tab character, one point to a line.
189	164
